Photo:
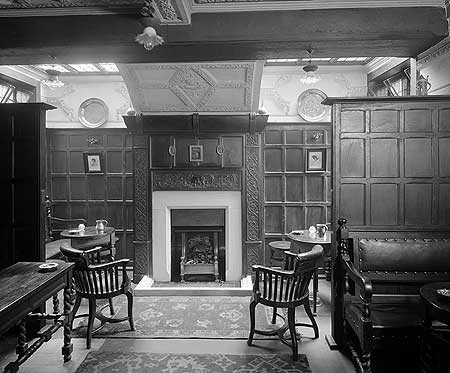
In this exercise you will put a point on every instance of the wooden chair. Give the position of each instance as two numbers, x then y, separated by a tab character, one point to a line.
286	288
93	280
54	226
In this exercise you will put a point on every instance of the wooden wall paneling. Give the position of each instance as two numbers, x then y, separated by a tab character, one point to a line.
93	196
404	143
294	199
232	151
160	156
182	155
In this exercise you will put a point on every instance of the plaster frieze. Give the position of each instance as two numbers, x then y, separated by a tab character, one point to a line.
434	52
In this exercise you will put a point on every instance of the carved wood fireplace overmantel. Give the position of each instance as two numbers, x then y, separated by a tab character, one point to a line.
232	164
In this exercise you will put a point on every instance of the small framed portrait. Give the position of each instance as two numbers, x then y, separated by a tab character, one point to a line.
195	153
316	160
93	162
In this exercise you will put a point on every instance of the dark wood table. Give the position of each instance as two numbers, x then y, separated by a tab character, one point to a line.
23	288
437	306
91	237
303	240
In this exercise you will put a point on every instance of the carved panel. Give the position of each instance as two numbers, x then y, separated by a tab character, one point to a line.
141	266
252	164
254	255
142	202
197	180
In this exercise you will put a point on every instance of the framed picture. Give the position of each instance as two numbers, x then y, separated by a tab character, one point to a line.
93	162
195	153
316	160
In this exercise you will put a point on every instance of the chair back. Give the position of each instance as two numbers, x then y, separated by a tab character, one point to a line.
92	278
276	287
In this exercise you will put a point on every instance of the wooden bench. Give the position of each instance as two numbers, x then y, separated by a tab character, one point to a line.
377	282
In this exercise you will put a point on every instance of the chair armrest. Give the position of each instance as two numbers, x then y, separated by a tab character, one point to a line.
364	283
68	220
275	271
115	263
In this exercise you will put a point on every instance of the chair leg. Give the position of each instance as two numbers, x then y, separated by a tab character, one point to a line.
366	362
92	309
274	315
252	322
311	317
111	307
130	309
291	323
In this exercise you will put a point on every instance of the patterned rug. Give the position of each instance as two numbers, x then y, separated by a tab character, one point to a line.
183	317
108	361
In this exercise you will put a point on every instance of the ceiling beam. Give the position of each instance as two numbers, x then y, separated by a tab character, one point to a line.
400	32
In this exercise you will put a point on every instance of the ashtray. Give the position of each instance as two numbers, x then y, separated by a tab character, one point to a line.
297	233
444	292
48	267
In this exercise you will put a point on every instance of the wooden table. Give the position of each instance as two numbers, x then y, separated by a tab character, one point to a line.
303	240
23	288
437	306
91	237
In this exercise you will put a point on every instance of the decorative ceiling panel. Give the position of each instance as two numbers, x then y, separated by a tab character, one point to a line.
203	87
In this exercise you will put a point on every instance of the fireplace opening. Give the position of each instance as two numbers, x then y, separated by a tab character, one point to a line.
198	245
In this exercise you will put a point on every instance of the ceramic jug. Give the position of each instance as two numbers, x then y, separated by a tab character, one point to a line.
321	230
101	224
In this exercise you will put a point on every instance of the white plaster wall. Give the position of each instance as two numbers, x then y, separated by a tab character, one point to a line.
164	201
111	89
281	87
438	72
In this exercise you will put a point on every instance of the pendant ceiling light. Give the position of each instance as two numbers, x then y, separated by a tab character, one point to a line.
310	76
52	80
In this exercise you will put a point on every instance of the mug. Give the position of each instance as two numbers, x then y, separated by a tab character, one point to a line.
321	230
101	224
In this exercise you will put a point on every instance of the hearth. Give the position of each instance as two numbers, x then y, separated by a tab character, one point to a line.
198	245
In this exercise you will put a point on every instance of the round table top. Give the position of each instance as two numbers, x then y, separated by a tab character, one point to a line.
305	236
429	294
88	233
281	245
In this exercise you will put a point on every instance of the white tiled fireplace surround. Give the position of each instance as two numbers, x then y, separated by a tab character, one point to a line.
162	204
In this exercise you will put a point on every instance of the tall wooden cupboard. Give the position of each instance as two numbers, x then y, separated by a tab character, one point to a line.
22	182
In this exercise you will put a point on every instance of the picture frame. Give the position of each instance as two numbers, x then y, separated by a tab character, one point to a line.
316	160
93	162
195	153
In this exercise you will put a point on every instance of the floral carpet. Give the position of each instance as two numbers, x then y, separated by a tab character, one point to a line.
99	362
183	317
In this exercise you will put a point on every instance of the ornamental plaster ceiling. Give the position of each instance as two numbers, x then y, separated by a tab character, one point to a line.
200	87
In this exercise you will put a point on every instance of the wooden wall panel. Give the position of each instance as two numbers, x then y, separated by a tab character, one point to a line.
274	219
418	120
384	121
274	189
352	158
444	157
352	199
384	203
418	204
384	156
353	121
159	146
418	157
273	160
232	155
93	196
294	188
444	204
444	120
295	217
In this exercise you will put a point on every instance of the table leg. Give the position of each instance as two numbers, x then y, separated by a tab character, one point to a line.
22	346
315	290
68	303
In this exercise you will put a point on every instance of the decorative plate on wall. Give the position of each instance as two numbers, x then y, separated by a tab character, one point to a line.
309	105
93	113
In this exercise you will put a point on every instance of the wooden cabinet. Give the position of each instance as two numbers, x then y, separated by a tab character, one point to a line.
22	182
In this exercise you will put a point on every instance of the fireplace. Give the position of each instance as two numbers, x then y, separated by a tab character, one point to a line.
198	245
226	225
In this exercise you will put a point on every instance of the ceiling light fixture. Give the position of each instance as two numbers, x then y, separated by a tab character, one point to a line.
310	76
149	38
52	80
